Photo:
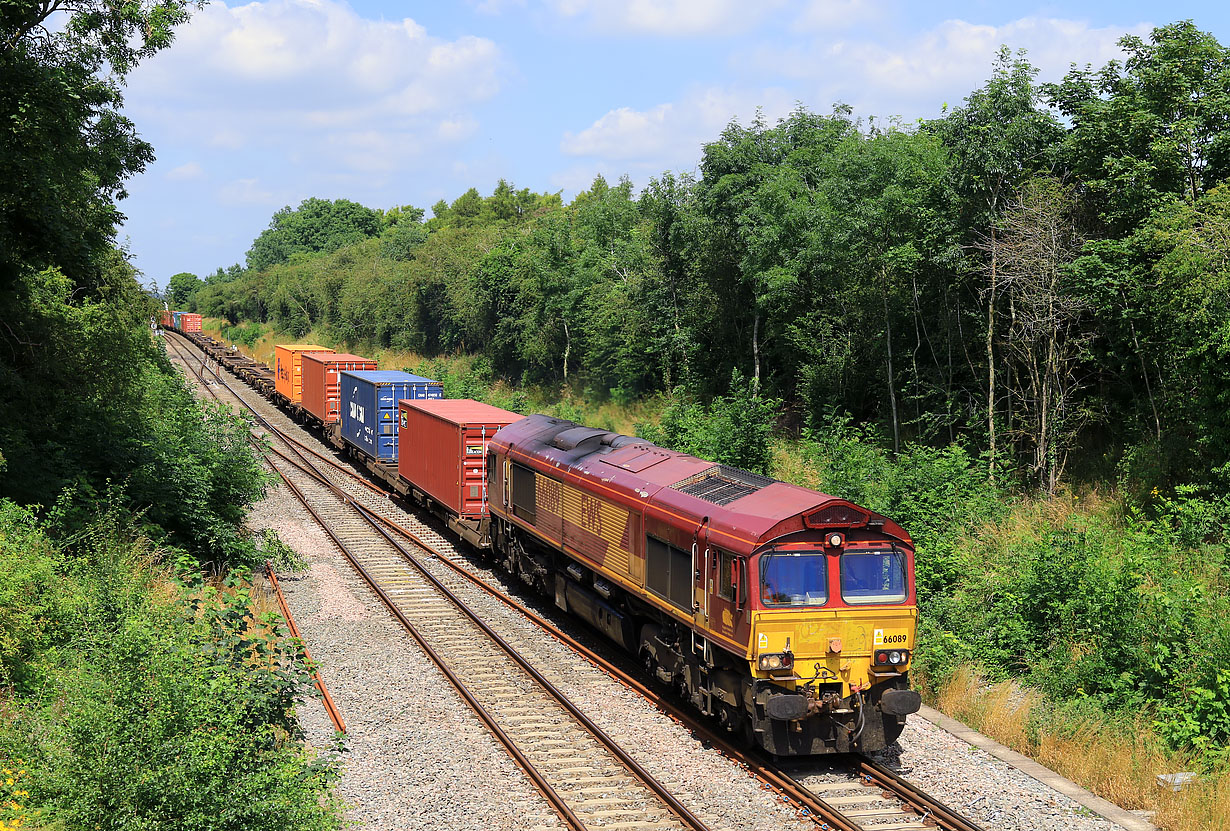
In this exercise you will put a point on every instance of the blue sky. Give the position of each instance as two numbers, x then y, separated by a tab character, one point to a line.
264	104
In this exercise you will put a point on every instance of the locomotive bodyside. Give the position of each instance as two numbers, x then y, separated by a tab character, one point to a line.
772	607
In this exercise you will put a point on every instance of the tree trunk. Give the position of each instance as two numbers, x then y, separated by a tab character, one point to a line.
756	351
567	349
892	392
991	355
1144	371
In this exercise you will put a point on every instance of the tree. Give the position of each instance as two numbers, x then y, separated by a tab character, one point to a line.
1038	240
756	206
1156	124
66	148
317	226
998	140
181	289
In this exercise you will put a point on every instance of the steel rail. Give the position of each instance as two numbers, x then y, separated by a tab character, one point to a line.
335	715
923	803
821	812
545	788
331	709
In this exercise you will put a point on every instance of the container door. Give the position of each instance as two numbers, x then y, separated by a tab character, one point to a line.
473	469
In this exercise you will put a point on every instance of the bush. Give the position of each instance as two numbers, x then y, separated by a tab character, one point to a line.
734	429
161	704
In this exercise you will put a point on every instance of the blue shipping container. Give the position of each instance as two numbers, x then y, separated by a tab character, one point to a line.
368	403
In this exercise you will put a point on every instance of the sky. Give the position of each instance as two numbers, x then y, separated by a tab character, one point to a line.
261	105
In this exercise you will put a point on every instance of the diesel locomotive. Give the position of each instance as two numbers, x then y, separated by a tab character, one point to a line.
786	614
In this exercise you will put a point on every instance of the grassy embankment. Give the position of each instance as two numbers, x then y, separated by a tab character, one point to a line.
1049	624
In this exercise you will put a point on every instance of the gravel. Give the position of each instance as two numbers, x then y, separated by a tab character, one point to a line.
415	756
982	787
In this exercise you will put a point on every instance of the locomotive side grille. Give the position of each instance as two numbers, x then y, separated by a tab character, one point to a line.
722	484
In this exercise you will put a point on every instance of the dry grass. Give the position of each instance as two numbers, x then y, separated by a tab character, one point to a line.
1119	763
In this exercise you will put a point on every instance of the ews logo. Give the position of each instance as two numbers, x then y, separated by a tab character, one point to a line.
591	514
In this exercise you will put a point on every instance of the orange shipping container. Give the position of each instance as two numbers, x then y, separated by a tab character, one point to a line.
166	318
320	381
288	369
189	322
443	450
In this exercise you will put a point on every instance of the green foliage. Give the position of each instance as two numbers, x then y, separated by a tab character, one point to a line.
245	333
66	148
733	429
278	554
1151	126
182	289
156	706
317	226
30	608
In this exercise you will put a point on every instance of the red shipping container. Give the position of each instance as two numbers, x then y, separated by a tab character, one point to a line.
442	450
189	322
166	318
320	381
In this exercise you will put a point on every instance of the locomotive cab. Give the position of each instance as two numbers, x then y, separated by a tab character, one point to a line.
833	624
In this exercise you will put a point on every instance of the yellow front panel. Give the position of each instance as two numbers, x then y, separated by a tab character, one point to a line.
811	633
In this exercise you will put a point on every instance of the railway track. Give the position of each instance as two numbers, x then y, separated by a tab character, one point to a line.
866	797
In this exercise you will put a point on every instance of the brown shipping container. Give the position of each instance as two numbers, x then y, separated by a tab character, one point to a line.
288	369
320	381
166	318
189	322
443	450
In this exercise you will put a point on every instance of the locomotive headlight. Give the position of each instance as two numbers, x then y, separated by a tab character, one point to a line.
776	660
835	540
895	658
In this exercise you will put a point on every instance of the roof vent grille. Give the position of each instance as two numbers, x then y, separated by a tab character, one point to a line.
722	484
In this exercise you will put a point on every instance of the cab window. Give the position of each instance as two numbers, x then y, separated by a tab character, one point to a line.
873	576
794	578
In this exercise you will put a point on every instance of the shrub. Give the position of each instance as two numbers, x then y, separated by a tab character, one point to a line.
162	704
734	429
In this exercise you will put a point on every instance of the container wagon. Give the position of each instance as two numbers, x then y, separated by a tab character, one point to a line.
446	470
288	370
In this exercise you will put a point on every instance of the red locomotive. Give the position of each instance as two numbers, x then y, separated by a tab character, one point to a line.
785	613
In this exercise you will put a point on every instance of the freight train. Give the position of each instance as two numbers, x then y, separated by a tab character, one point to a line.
786	614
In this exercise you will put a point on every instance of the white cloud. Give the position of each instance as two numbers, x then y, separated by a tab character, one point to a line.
186	172
836	15
294	75
246	192
672	134
666	17
945	63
